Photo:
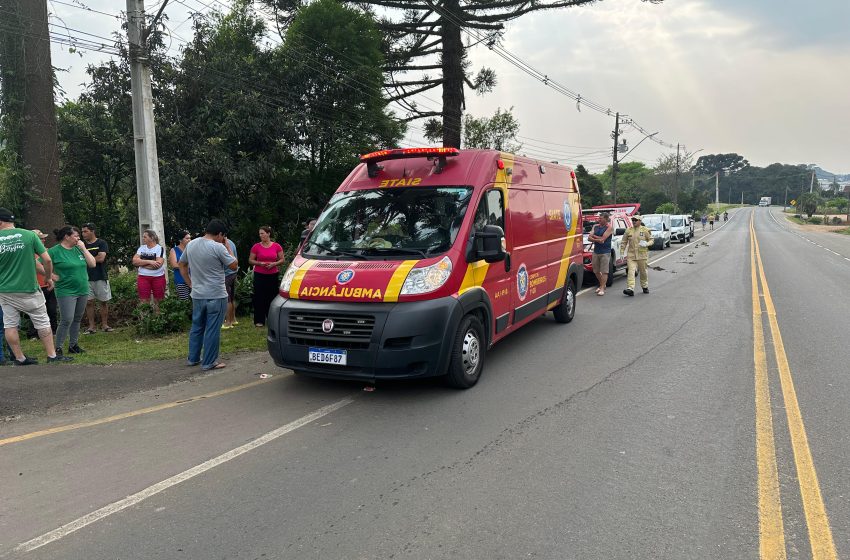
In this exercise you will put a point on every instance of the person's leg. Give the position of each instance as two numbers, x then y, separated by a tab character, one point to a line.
257	298
644	277
67	309
74	334
2	337
196	334
143	288
52	306
216	310
104	315
158	289
630	274
90	307
14	343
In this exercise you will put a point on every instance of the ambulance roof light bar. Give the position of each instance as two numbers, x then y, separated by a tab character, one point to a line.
372	160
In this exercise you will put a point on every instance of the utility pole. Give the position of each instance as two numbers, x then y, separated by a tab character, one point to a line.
742	198
785	204
717	188
812	184
676	185
144	133
615	135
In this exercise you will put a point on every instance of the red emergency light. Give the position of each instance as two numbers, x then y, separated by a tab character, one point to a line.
371	160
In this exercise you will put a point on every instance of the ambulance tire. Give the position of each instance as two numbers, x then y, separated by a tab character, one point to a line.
611	271
467	357
566	310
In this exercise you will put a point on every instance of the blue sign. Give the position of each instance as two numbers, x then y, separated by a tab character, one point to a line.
522	282
345	276
568	215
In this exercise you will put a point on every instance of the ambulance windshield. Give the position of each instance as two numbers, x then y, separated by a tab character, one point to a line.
381	223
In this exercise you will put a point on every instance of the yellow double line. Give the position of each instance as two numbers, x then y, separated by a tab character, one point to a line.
771	531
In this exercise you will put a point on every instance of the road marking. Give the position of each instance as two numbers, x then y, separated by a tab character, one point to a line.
131	414
803	237
817	521
115	507
771	530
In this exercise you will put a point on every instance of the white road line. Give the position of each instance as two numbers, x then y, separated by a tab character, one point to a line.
115	507
803	237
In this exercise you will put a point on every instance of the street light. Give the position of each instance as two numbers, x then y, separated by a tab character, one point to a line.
636	145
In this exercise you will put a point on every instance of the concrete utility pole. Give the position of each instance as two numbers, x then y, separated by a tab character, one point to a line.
144	134
615	135
717	188
676	186
812	184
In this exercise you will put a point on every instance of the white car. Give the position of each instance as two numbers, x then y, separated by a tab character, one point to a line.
659	224
681	227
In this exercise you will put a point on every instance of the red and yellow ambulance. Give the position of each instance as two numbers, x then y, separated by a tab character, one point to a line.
423	259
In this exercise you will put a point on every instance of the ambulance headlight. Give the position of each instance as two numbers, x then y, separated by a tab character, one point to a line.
428	278
286	283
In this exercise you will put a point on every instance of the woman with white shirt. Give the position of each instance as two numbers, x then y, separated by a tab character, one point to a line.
150	260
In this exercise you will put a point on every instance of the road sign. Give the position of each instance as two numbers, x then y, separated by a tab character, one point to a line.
793	203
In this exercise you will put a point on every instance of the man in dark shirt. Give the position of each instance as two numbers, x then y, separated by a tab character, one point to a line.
99	289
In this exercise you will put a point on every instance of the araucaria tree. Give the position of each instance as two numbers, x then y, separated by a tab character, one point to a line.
426	48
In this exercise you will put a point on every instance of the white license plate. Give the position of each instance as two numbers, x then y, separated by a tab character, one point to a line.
327	356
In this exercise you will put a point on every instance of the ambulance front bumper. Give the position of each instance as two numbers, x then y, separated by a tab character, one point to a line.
379	340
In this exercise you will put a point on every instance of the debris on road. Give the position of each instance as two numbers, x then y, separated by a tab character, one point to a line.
369	388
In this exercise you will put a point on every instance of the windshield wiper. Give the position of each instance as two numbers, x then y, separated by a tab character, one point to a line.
396	250
335	251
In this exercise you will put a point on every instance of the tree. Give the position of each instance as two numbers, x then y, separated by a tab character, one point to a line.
590	187
497	132
667	208
839	203
424	42
633	179
809	202
725	164
28	135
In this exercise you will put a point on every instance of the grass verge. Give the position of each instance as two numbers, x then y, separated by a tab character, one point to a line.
123	345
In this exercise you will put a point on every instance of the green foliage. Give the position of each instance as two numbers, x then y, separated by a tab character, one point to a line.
667	208
245	293
590	187
836	220
725	164
815	220
497	132
839	204
809	202
174	315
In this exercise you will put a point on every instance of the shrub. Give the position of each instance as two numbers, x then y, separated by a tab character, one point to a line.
836	220
815	220
175	315
245	294
667	208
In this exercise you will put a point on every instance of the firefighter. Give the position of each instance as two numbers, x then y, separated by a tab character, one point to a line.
635	244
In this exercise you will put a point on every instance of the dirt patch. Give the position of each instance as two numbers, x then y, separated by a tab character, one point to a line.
815	227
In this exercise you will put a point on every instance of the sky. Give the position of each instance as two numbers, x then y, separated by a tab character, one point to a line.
766	79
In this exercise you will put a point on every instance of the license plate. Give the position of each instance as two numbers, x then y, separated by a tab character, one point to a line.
327	356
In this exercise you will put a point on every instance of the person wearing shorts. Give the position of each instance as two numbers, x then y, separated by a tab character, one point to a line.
150	260
601	259
99	290
19	291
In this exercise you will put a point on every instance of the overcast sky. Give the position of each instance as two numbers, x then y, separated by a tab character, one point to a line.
757	77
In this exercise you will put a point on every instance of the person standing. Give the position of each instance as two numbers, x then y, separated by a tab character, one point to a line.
2	340
150	260
266	258
48	292
601	259
711	221
635	244
183	238
71	262
19	291
99	290
704	219
230	286
202	265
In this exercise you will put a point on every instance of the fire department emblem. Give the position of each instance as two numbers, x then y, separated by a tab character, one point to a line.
345	276
568	215
522	282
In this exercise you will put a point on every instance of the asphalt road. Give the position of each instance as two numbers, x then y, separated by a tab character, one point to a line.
636	431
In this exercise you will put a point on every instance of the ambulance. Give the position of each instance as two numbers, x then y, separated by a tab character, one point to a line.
423	259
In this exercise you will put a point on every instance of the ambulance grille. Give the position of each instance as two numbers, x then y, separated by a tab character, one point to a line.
349	332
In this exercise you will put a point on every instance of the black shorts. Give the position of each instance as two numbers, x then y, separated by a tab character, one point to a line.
230	285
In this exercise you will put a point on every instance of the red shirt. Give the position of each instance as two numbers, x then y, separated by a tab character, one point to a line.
266	254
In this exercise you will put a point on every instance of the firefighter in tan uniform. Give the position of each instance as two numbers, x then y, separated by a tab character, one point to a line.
635	244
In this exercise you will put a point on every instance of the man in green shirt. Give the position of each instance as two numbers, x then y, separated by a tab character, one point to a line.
19	290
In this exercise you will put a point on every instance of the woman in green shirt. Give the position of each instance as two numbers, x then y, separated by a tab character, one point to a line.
71	262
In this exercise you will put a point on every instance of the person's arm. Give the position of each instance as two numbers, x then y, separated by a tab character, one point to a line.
101	254
607	234
138	262
184	271
90	262
47	264
252	258
624	242
172	259
280	259
159	262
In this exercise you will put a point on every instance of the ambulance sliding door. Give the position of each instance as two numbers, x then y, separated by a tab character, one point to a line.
529	254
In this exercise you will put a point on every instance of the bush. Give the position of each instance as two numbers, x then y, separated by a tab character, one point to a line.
815	220
175	315
667	208
836	220
245	294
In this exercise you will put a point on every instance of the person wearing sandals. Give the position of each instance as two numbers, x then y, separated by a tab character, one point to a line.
71	262
266	258
202	266
99	290
183	238
601	260
150	260
230	285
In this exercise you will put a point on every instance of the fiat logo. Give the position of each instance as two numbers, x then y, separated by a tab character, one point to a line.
327	325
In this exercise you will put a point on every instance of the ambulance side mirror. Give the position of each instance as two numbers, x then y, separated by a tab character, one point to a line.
490	244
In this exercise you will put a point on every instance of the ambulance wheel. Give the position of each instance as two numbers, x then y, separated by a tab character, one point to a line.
467	359
565	312
611	270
